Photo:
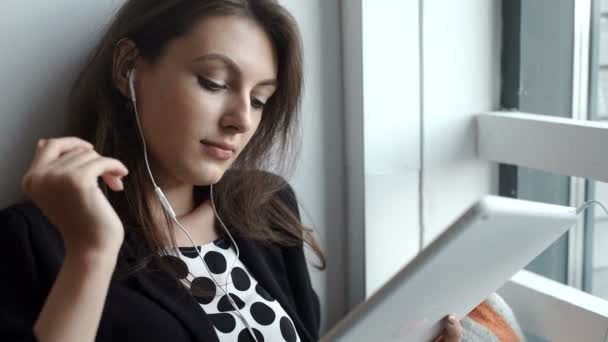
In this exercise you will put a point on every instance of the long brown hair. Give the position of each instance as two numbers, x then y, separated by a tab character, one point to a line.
246	196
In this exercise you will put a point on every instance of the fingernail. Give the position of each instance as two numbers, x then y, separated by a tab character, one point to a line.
451	319
41	142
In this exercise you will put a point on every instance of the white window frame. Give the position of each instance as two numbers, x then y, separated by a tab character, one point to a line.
550	143
490	149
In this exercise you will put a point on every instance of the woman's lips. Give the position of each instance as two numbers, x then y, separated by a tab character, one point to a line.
217	152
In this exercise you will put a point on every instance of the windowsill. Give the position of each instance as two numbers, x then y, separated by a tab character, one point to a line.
549	309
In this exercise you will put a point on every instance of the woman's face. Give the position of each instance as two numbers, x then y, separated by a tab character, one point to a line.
209	86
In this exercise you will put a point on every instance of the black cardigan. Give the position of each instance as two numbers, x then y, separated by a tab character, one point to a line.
149	306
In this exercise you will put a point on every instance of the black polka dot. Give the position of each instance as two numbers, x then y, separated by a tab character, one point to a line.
263	293
240	279
176	265
262	313
216	262
287	330
222	243
245	336
224	304
223	322
190	252
203	289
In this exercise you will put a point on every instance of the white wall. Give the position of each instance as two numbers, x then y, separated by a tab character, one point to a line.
461	49
42	46
45	43
392	134
320	176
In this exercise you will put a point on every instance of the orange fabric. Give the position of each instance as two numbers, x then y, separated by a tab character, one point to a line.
486	316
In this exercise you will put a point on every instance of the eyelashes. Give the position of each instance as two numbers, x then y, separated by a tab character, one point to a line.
210	85
214	87
257	104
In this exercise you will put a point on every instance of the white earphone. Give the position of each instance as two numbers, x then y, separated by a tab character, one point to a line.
167	207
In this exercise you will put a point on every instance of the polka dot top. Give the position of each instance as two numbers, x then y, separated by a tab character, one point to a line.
264	314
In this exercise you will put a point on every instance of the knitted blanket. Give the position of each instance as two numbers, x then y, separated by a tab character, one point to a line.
491	321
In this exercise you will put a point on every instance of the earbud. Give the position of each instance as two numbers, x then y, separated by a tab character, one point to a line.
131	76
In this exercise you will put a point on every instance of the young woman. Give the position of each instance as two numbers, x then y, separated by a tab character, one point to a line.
194	97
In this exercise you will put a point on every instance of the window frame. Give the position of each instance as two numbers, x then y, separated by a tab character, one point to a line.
525	89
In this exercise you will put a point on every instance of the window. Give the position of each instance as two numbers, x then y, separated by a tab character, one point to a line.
537	78
596	264
555	63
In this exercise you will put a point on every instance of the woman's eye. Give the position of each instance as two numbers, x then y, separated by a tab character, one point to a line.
257	104
210	85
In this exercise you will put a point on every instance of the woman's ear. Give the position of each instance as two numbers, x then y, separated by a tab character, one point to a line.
124	56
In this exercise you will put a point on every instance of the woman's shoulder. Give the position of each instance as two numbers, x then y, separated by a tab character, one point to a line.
24	212
24	207
24	220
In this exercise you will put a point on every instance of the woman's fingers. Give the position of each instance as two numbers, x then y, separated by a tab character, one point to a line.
453	329
79	159
70	154
76	158
52	149
108	168
113	181
47	153
67	159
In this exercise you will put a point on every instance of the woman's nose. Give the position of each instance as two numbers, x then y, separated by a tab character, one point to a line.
239	113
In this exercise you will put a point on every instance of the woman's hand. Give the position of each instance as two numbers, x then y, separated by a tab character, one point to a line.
63	181
452	331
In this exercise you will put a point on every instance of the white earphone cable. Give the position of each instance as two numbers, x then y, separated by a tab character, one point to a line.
587	204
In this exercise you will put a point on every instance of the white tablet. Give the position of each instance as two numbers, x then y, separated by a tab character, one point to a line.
474	257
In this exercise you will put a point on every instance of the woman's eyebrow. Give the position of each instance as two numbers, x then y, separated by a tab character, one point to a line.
232	66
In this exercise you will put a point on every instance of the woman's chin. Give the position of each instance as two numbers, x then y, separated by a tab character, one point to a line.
210	175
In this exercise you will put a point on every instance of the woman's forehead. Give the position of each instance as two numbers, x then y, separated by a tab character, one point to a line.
240	39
